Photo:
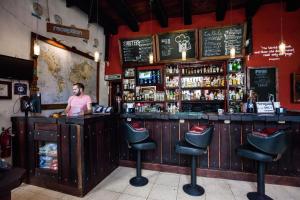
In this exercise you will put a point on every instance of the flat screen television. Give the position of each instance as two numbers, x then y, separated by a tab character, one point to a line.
149	77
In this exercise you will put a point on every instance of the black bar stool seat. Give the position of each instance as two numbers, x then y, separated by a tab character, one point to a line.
265	146
138	139
183	147
195	143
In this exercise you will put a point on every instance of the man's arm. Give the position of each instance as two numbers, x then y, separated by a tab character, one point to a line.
89	108
67	109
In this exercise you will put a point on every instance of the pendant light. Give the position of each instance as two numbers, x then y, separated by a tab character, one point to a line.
97	54
36	46
232	49
282	45
151	58
183	54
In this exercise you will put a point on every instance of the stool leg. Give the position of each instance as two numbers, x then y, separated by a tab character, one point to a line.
260	194
138	180
193	189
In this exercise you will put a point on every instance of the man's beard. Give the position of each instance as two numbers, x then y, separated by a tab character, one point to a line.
78	93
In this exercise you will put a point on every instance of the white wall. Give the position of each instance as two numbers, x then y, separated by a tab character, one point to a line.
17	23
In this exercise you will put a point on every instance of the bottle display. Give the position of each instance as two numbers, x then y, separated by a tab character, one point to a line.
202	81
172	95
172	81
128	84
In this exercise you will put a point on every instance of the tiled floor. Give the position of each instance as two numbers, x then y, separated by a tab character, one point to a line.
161	186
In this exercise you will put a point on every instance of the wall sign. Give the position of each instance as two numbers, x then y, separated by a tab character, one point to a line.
215	43
135	51
112	77
263	81
272	52
69	31
171	44
265	107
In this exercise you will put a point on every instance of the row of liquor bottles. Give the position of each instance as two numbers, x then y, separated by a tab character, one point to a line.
185	95
201	69
198	81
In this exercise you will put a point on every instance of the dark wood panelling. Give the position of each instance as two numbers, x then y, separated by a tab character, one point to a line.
174	139
148	156
64	155
235	141
225	144
166	140
184	159
248	165
157	136
214	148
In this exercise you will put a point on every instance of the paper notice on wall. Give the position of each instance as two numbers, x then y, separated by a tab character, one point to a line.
272	52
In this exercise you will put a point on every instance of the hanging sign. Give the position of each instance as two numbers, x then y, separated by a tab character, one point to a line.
67	30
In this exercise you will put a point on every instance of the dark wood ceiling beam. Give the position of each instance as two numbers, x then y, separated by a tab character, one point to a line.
160	13
292	5
252	7
125	13
221	9
187	12
91	10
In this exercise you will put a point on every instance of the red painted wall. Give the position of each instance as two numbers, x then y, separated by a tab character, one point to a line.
266	32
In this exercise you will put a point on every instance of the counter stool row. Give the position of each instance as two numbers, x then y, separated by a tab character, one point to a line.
265	146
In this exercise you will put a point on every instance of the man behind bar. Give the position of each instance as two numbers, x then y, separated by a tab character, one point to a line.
79	103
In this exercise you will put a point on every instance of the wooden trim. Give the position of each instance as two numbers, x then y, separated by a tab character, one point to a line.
177	60
226	174
293	88
221	57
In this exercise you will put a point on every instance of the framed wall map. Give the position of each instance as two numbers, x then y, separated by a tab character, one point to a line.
58	67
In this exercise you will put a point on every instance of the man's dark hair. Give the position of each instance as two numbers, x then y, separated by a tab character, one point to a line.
79	85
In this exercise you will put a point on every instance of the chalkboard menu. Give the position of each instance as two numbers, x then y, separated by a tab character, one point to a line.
263	81
171	44
135	51
216	42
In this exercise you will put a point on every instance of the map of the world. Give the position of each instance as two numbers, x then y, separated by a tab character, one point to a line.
58	69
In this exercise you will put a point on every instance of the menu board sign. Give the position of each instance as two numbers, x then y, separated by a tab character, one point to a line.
171	44
215	43
265	107
135	51
264	82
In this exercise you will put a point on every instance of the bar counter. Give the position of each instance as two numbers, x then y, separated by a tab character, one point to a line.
221	161
86	150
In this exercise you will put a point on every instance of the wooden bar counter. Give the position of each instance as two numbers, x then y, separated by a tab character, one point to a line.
230	131
86	150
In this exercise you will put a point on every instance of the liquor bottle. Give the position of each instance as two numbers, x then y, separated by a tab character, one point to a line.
250	103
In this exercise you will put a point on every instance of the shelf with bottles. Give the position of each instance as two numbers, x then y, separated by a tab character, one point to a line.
203	95
128	84
172	81
47	157
235	66
236	79
202	69
149	106
203	82
129	73
172	69
172	107
128	96
172	95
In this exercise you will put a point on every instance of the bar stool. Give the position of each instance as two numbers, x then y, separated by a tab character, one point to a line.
138	139
195	143
265	146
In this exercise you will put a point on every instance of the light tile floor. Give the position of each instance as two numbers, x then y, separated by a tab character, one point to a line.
161	186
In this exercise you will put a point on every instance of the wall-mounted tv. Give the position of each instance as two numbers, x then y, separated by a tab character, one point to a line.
149	77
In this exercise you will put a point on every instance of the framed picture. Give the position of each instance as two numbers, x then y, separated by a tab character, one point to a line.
57	68
295	88
5	90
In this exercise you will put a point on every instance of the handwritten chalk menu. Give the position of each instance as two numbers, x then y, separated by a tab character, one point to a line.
263	82
135	51
170	45
216	42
